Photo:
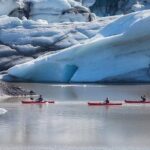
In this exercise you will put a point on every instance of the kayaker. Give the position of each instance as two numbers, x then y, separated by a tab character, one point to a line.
107	100
40	99
31	95
143	98
31	92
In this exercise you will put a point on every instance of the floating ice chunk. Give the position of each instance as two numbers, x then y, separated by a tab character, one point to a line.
2	111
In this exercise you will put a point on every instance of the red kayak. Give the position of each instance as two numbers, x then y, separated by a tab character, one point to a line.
103	104
137	102
36	102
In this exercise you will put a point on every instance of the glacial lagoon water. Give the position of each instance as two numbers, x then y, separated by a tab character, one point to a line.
71	124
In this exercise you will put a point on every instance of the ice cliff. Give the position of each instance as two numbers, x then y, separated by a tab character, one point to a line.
119	52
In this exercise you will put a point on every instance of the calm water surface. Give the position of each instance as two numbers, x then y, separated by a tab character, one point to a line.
71	124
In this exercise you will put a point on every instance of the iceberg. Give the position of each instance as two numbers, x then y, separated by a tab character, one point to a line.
120	52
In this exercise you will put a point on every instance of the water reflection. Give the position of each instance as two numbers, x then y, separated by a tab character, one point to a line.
79	126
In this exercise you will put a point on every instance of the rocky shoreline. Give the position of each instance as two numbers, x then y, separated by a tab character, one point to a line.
7	90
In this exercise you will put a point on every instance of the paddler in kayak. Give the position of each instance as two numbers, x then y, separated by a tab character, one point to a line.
143	98
107	101
40	99
31	95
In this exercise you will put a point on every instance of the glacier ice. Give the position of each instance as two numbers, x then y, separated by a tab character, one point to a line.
24	40
121	53
115	7
50	10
